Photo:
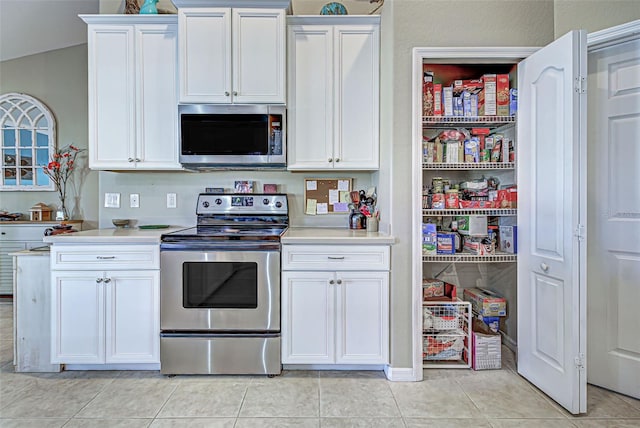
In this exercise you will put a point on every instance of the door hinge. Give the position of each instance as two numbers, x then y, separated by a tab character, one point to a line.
580	85
579	232
579	361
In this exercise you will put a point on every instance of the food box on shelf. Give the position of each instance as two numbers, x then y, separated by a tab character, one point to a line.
478	246
493	323
507	198
485	302
489	81
502	94
472	225
429	242
509	239
446	243
432	288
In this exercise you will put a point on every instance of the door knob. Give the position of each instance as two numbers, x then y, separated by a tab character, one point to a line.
544	267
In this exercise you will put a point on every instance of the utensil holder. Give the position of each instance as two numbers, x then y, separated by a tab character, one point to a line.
372	224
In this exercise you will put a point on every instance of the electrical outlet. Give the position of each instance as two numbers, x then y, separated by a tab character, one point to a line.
134	200
112	200
172	200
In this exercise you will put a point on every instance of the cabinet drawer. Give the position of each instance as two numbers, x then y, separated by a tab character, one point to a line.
347	257
113	257
23	232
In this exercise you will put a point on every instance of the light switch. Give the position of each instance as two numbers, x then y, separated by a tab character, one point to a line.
112	200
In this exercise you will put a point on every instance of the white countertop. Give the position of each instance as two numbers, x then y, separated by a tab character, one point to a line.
325	235
131	235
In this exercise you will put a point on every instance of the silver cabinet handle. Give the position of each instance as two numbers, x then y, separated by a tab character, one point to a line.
107	280
138	160
339	281
544	267
105	257
330	160
235	93
332	282
226	93
130	160
335	258
337	159
98	280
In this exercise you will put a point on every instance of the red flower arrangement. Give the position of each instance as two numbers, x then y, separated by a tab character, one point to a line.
60	169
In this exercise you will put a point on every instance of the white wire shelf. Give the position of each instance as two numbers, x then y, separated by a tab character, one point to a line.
471	211
487	121
468	165
499	257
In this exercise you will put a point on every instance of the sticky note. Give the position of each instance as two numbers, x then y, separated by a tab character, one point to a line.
344	197
343	185
312	185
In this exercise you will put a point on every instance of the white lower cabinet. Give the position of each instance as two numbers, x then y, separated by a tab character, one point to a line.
334	316
105	316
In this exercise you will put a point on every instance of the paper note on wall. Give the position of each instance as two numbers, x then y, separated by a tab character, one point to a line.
333	196
312	185
340	207
322	208
311	207
343	185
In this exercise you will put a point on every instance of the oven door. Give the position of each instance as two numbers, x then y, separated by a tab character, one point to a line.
220	291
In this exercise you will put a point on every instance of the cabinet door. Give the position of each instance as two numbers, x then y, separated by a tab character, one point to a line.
132	330
77	311
356	71
308	318
362	318
204	55
157	100
111	93
258	42
310	97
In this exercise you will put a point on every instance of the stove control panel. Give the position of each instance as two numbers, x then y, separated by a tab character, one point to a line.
242	203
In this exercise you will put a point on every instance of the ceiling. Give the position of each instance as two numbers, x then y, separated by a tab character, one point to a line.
29	27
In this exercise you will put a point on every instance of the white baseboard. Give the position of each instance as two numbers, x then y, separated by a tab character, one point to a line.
400	374
374	367
151	366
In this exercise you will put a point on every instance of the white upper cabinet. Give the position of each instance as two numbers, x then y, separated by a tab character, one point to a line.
333	92
132	92
231	55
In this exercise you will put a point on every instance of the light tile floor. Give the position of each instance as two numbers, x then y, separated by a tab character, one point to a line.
447	398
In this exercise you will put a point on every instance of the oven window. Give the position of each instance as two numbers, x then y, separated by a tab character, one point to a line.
220	285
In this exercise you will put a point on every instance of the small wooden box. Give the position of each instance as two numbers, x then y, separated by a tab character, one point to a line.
40	212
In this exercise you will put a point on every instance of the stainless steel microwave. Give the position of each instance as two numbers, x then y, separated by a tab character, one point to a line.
232	136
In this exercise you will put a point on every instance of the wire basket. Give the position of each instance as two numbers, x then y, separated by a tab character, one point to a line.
446	334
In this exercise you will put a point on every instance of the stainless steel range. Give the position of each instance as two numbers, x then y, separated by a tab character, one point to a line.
220	287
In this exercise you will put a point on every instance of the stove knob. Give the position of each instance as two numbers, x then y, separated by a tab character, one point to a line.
205	204
218	201
278	204
265	201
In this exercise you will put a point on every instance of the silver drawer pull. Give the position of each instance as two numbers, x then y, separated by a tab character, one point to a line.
106	257
335	258
331	282
98	280
339	281
107	280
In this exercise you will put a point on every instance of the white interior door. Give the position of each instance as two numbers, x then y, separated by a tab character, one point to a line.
551	218
614	218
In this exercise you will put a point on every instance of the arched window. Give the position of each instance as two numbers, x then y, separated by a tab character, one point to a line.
27	140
